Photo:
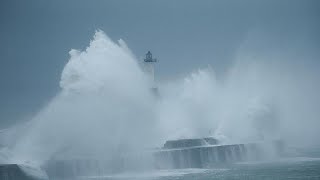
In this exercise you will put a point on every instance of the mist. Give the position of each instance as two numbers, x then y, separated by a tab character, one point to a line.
105	106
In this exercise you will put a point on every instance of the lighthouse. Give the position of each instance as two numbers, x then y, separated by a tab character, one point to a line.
148	64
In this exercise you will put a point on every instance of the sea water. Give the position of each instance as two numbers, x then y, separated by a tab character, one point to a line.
304	167
296	168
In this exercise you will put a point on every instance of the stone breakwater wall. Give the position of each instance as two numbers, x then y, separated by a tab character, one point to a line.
206	156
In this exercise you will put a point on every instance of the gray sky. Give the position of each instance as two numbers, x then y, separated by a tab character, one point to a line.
36	35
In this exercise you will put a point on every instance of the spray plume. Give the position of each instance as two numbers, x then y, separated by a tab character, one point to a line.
105	105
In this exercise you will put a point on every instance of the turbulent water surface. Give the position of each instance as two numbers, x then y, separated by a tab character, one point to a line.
292	168
285	170
304	166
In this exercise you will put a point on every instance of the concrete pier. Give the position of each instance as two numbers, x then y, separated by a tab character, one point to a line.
210	155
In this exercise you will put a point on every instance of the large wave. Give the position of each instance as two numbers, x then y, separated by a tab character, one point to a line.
106	106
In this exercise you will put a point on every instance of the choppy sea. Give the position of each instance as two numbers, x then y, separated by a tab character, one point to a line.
305	166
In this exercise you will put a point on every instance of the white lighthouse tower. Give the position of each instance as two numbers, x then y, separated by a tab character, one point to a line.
148	64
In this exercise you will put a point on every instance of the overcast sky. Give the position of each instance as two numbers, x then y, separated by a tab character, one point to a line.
36	36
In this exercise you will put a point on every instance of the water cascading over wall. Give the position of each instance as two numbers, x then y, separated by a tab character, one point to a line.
208	156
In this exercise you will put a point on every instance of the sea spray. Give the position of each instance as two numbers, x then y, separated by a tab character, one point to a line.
106	108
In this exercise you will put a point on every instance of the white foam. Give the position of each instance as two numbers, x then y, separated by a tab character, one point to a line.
33	170
282	160
155	174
